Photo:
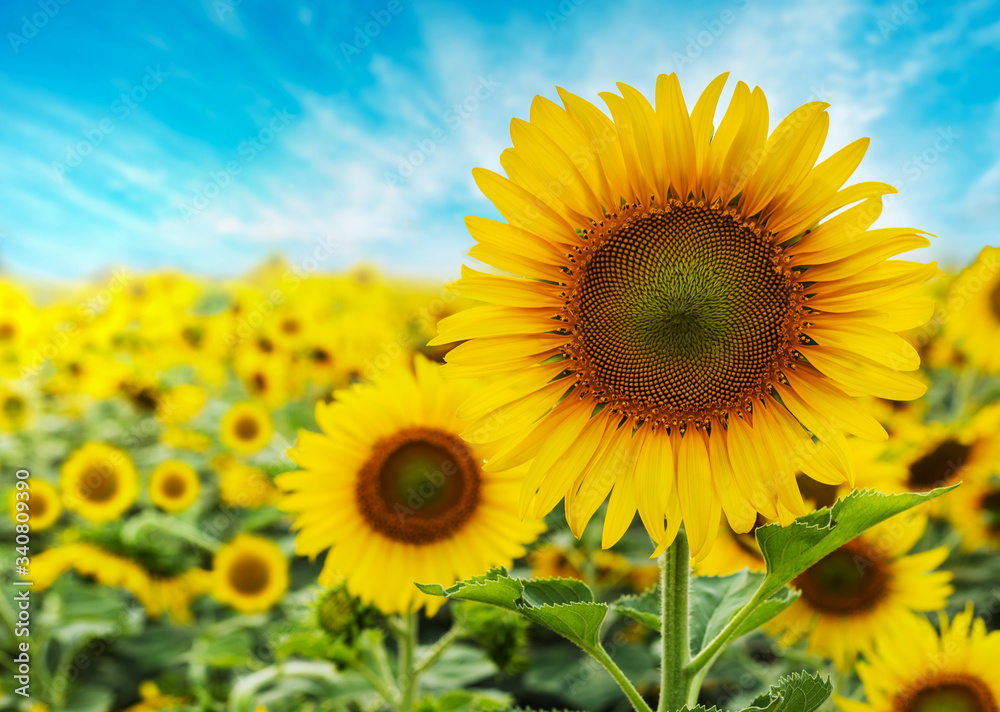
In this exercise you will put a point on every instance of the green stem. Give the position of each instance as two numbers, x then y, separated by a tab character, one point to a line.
601	655
407	658
438	649
675	585
376	682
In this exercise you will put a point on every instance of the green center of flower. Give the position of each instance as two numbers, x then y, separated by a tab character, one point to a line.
851	579
419	485
681	310
939	466
99	483
246	428
948	693
249	574
336	611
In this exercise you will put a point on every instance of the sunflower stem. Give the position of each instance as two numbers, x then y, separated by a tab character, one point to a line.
675	585
601	655
438	649
408	676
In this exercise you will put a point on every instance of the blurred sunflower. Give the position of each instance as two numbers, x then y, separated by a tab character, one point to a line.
973	309
735	551
397	496
99	482
44	506
15	410
243	486
687	322
864	589
974	510
250	574
153	700
918	670
180	404
246	428
174	486
158	593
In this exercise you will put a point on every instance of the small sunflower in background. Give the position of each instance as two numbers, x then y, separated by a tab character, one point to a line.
695	306
916	669
250	574
99	482
180	404
973	309
974	511
174	486
158	593
15	410
241	485
246	428
864	589
44	505
397	496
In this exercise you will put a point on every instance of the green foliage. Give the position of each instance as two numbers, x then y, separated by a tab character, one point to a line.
564	605
795	693
502	634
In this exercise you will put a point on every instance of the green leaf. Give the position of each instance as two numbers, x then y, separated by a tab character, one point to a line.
795	693
644	607
788	551
565	606
700	708
715	600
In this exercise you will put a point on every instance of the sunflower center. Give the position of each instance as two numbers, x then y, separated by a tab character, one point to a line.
989	506
6	331
320	355
98	484
938	466
948	693
249	574
995	300
419	485
13	407
38	505
246	428
680	309
173	485
851	579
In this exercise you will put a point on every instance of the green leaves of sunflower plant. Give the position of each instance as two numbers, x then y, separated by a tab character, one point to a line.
721	608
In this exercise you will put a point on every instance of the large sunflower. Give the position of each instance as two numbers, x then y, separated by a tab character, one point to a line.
917	670
973	311
397	496
864	589
250	574
99	482
688	318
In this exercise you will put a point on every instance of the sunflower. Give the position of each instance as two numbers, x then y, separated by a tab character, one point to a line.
686	322
158	594
867	587
918	670
246	428
974	510
925	456
174	486
15	410
397	496
244	486
250	574
99	482
44	506
735	551
180	404
973	311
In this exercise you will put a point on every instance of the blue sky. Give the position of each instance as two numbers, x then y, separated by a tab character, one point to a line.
208	134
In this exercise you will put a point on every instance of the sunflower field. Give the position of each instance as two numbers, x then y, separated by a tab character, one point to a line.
311	491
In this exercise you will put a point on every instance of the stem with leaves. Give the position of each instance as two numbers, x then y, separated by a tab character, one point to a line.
675	587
